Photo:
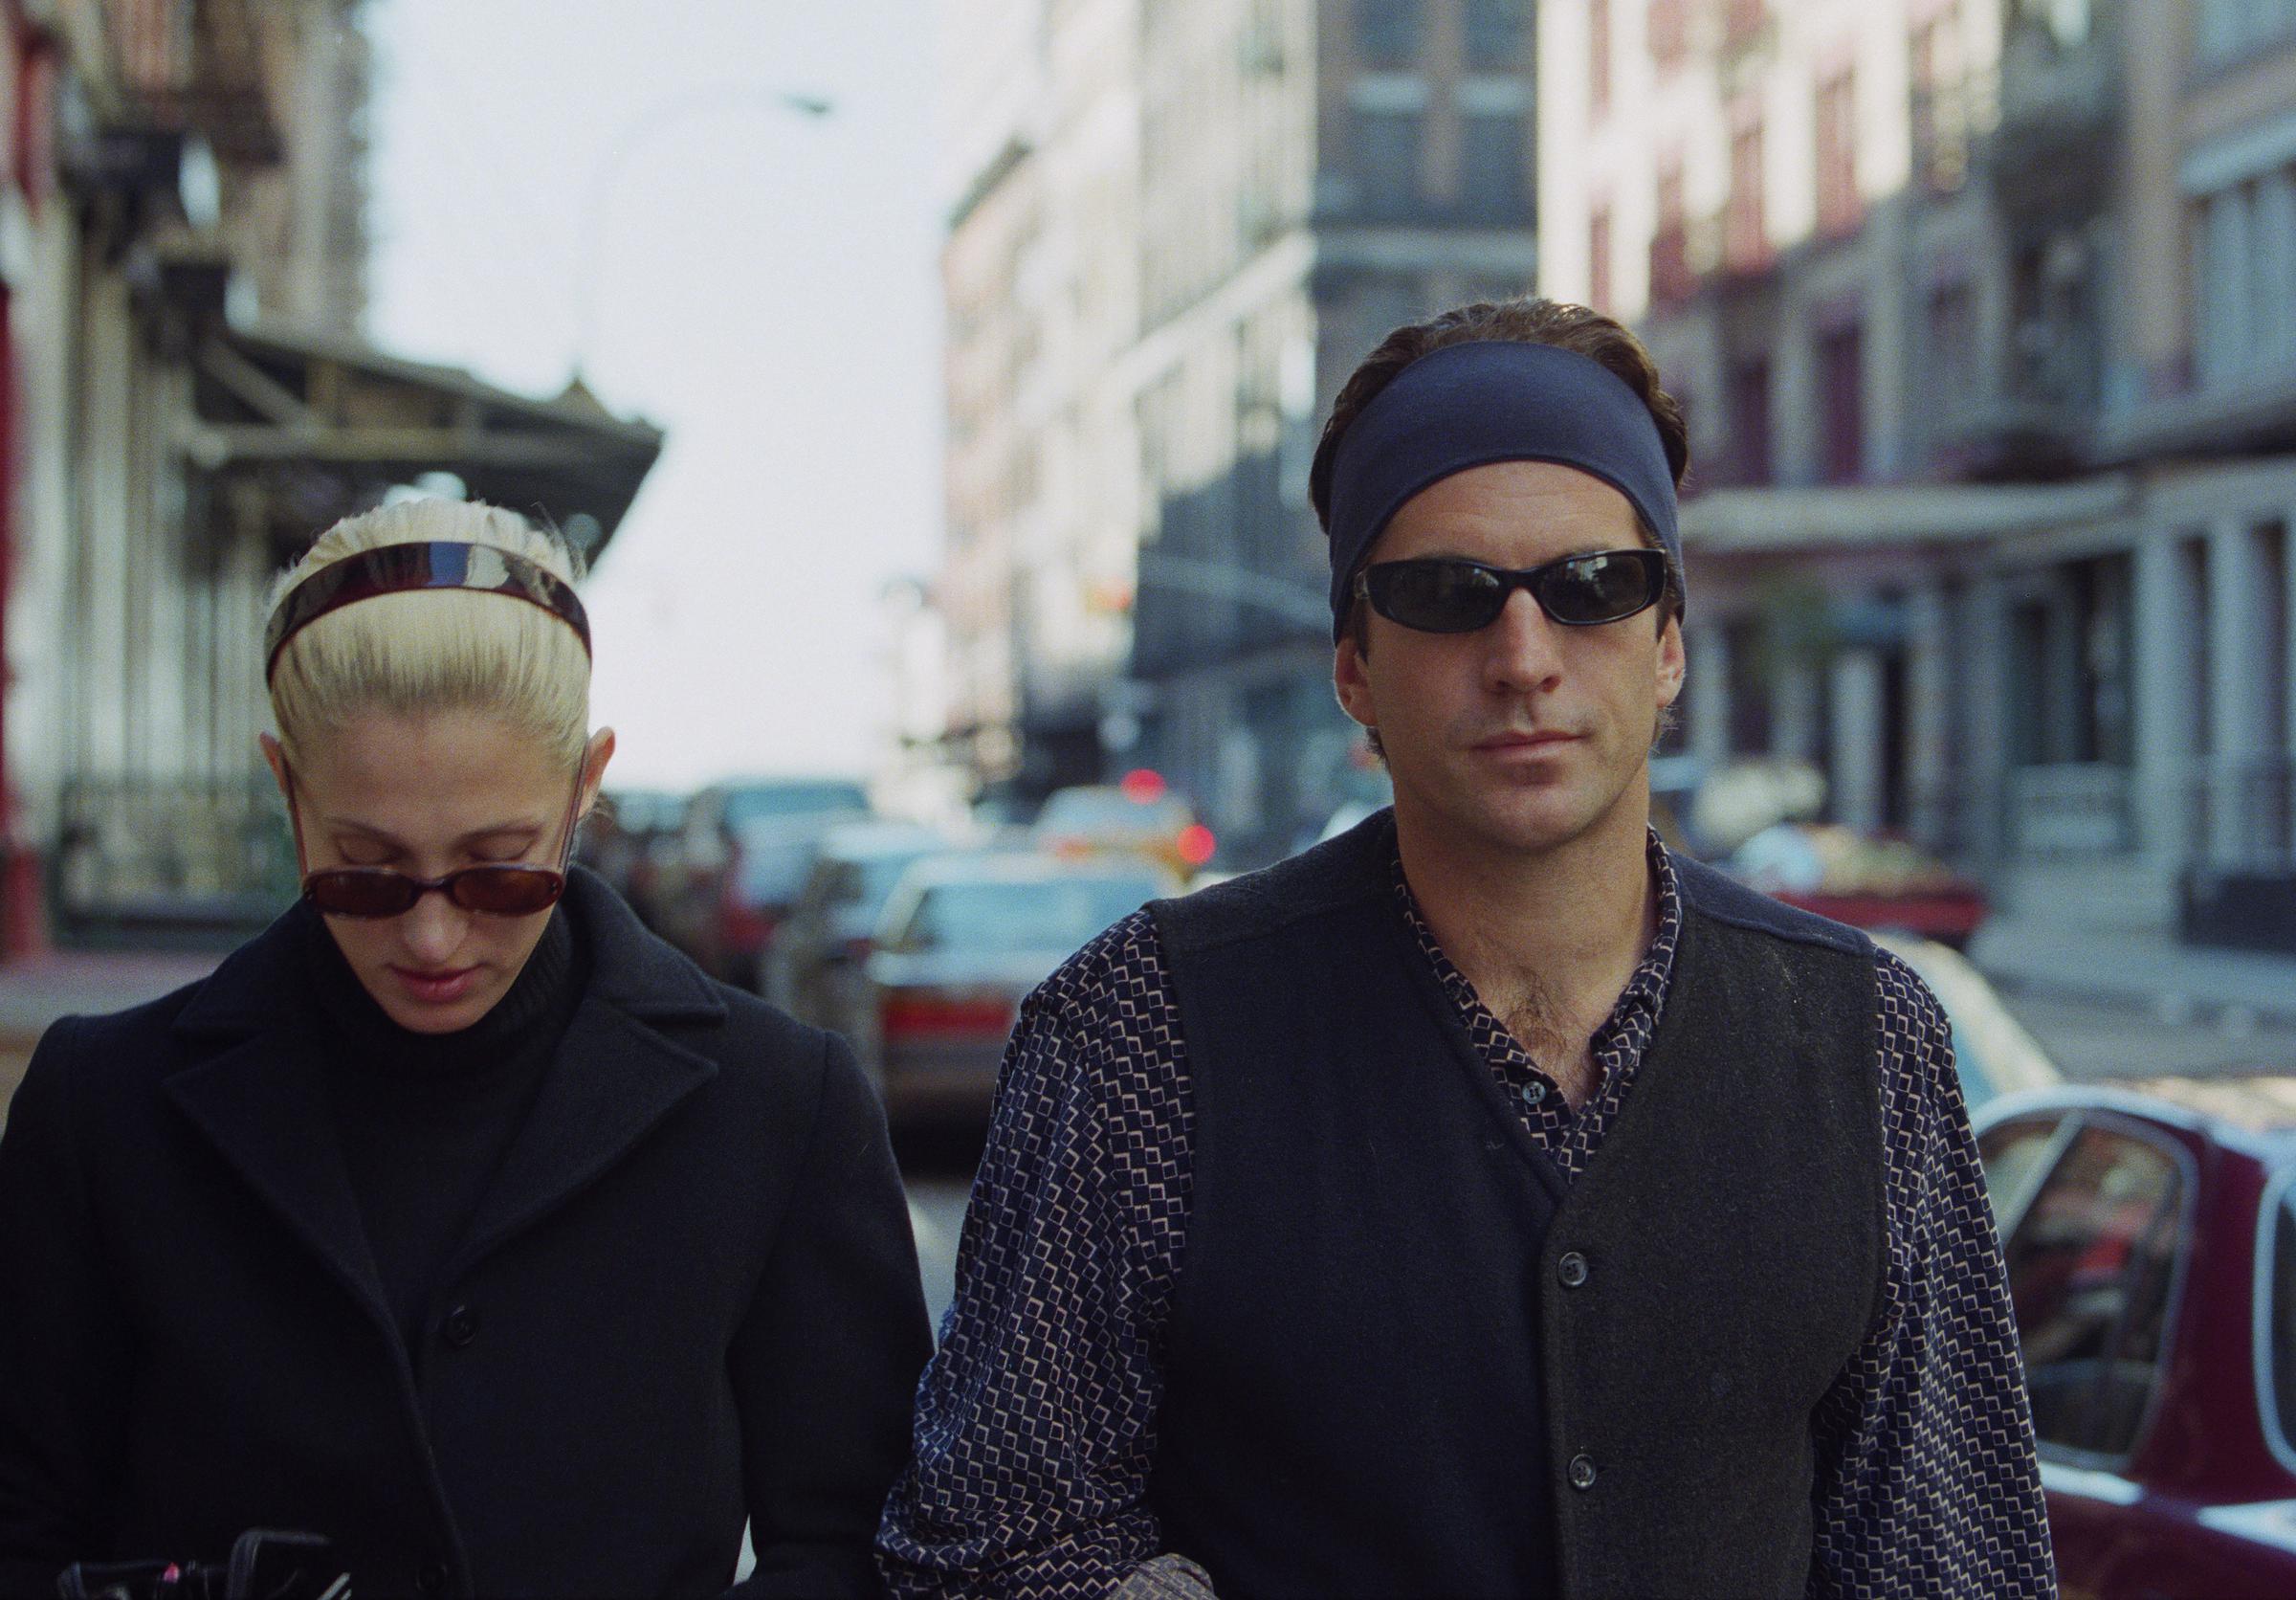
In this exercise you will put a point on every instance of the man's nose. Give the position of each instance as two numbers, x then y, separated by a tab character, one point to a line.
1522	648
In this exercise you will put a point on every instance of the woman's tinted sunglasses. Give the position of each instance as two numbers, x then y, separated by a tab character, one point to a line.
495	888
1442	594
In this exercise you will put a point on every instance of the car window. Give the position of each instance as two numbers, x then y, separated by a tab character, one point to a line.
2281	1327
2090	1268
2015	1156
1050	914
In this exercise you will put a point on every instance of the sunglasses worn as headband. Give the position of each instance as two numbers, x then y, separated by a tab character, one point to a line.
495	888
1442	594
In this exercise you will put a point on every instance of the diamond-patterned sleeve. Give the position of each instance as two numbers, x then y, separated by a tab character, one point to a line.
1035	1420
1927	1483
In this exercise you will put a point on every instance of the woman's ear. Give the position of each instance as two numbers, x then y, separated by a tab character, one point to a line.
275	756
595	755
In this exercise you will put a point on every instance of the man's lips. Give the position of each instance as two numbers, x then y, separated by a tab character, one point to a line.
1524	740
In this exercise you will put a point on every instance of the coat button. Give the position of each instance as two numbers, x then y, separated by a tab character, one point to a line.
1583	1472
460	1327
432	1578
1571	1269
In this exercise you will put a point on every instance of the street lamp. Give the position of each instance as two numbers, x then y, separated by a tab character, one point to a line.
657	118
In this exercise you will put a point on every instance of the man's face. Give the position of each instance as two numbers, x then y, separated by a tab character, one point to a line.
1524	735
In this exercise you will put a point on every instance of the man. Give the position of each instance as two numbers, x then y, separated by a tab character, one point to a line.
1487	1201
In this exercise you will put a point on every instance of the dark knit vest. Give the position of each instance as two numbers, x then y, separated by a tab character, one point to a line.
1406	1359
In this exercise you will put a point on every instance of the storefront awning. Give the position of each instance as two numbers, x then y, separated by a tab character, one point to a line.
334	423
1781	520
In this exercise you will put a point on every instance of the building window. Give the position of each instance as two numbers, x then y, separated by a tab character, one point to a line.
1597	260
2244	277
1841	403
1494	156
1598	57
1671	279
1668	29
1940	109
1838	203
1747	394
1496	31
1386	161
1389	32
1745	232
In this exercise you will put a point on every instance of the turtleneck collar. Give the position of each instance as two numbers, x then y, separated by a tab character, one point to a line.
537	1010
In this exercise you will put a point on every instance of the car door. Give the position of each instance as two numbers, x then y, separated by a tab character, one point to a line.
2094	1210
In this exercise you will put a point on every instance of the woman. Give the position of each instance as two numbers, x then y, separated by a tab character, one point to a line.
455	1217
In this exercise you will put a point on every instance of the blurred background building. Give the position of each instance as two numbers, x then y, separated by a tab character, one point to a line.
184	397
1985	315
1182	226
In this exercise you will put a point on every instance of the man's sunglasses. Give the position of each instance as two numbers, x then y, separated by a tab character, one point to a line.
1442	594
495	888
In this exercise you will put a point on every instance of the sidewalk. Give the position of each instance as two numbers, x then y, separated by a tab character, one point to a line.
36	990
2154	973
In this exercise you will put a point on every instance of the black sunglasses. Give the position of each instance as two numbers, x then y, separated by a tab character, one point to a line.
495	888
1444	594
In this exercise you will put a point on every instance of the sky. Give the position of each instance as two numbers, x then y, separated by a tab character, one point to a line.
763	285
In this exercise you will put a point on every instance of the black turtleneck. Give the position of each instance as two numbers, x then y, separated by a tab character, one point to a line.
425	1118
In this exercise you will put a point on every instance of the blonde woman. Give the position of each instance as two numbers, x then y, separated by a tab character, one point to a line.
456	1218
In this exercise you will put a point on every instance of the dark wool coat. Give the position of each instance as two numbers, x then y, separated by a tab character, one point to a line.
690	1298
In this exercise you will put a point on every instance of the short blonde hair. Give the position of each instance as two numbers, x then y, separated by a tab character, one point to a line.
433	650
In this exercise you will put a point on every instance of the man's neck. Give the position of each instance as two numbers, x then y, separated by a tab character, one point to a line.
1557	933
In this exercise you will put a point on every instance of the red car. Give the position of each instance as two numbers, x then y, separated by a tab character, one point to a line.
2150	1235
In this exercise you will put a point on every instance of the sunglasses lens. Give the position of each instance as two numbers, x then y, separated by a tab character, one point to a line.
365	892
505	891
1436	597
1603	588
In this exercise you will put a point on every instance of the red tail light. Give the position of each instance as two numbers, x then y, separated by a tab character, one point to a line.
915	1015
1197	846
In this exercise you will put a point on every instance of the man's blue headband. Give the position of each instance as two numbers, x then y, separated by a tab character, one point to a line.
1493	400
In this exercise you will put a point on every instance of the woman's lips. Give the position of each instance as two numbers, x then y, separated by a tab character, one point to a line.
436	989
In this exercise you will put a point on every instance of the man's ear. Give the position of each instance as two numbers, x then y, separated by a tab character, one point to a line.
1351	682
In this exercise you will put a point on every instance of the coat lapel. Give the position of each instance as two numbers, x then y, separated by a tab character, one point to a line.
615	1077
260	1103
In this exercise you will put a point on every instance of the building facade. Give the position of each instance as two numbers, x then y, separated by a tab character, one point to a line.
1980	309
1232	204
182	245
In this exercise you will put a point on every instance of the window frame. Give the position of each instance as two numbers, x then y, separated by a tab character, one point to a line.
2277	1188
2075	1121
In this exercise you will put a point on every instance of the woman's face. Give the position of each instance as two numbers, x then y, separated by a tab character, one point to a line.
425	795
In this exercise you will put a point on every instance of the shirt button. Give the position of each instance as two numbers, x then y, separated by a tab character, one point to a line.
432	1578
460	1327
1533	1093
1571	1269
1583	1472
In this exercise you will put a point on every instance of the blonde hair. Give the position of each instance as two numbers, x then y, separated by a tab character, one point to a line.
433	650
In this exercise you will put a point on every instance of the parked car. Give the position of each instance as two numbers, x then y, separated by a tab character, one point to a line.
631	840
1994	1052
746	847
961	941
1869	881
1141	815
814	966
2149	1230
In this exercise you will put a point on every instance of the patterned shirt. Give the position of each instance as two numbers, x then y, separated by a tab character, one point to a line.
1036	1421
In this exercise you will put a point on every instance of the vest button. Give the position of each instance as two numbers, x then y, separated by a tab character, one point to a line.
460	1327
1583	1472
1571	1269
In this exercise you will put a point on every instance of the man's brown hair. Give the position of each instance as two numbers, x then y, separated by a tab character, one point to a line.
1528	321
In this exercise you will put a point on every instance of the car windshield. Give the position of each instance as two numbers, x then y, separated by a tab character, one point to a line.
770	802
1045	914
1107	810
